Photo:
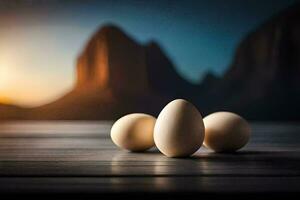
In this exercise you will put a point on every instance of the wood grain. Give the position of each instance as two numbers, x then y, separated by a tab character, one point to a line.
37	157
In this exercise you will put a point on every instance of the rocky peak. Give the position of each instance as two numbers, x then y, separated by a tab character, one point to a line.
111	59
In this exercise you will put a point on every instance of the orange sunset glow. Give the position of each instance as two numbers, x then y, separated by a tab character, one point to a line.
24	86
32	68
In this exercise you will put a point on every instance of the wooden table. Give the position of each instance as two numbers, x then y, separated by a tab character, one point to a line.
70	157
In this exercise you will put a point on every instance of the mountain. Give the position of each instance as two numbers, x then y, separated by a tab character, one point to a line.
116	75
263	82
8	112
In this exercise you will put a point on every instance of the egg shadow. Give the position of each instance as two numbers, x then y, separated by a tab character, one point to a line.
152	150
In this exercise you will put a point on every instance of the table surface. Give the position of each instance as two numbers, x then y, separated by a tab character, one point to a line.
79	157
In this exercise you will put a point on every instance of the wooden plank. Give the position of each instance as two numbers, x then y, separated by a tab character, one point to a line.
113	153
68	156
201	185
37	143
54	128
80	162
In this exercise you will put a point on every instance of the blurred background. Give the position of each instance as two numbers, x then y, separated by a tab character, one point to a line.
99	60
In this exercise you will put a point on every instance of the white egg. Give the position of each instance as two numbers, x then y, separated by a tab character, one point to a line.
225	132
179	129
134	132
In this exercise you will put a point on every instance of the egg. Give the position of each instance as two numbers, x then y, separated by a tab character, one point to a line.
179	129
134	132
225	132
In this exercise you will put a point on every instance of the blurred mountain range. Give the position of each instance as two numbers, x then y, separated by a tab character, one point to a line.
116	75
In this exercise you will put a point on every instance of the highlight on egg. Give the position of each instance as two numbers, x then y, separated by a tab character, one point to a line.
179	129
134	132
225	132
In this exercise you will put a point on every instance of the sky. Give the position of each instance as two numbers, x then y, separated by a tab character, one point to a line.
40	39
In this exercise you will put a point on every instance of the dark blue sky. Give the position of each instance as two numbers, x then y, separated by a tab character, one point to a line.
198	35
40	40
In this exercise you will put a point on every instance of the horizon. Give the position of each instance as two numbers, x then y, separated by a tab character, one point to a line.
40	42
